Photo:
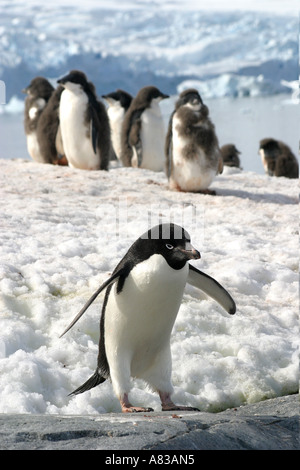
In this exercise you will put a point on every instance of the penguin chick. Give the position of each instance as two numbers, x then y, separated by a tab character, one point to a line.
143	133
84	124
118	103
230	155
193	156
278	159
48	131
142	299
38	93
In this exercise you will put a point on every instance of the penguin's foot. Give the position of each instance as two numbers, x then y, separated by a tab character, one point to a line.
178	408
136	409
128	408
168	405
62	160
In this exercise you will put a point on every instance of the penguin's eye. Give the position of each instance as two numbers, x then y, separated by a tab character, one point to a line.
170	247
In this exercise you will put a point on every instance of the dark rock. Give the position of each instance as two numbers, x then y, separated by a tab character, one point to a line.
268	425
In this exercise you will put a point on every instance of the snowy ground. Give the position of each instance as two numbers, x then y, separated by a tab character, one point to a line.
63	231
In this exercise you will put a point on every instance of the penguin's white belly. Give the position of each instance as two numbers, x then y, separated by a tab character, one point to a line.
139	320
34	148
75	134
192	174
152	138
116	116
264	161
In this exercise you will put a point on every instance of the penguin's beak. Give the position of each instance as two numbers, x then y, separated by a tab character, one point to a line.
64	79
61	81
190	252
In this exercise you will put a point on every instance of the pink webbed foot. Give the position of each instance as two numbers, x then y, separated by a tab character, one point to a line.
168	405
127	407
136	409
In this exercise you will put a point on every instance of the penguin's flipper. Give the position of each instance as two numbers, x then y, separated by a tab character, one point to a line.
169	147
107	283
93	135
212	288
92	382
139	152
134	138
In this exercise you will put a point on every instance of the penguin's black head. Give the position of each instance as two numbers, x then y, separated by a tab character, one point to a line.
169	240
119	96
148	94
74	78
190	97
270	147
39	87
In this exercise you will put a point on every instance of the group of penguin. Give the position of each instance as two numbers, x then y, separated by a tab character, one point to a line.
69	125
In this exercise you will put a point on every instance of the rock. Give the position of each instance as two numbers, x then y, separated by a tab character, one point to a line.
269	425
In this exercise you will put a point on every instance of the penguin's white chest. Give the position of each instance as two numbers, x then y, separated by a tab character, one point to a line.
152	138
193	173
33	147
139	320
116	115
75	132
264	160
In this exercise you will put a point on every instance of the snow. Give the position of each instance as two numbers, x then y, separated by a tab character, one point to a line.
64	230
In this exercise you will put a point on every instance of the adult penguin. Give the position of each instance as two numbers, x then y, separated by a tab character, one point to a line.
142	299
84	124
143	132
118	104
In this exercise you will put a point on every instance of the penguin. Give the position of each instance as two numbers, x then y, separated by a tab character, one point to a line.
230	155
118	103
193	156
38	93
48	131
84	124
143	132
278	159
142	299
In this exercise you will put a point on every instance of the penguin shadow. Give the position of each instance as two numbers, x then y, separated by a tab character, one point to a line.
166	187
271	198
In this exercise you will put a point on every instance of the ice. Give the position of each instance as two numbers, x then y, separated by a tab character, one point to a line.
14	106
133	44
63	232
